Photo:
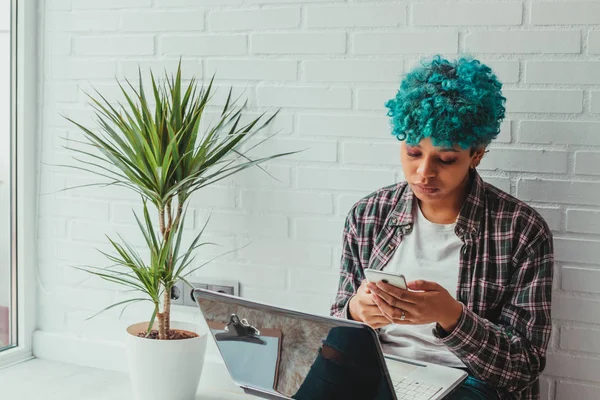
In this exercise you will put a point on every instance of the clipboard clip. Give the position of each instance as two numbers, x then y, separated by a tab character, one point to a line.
239	330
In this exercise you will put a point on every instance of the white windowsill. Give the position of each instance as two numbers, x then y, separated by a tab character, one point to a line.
51	380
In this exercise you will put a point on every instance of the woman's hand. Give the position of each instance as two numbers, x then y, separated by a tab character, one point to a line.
427	302
363	308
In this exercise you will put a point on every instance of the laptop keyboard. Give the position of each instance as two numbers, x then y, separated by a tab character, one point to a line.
408	389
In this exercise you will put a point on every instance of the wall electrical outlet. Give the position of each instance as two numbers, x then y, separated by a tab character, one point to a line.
222	289
177	293
188	293
227	287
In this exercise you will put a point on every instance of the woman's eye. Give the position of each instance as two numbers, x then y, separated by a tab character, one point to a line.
447	162
413	154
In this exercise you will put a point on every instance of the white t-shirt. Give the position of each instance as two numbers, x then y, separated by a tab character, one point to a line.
430	252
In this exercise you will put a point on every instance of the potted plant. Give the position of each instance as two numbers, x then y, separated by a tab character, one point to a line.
158	151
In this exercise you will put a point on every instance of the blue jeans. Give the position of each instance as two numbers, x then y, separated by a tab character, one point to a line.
350	369
347	367
474	389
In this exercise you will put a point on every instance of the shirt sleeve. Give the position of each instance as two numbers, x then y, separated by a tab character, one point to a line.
346	311
350	277
510	353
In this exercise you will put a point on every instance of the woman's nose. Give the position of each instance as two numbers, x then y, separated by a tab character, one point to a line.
426	169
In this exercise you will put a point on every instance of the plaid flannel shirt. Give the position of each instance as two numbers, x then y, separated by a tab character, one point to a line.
504	283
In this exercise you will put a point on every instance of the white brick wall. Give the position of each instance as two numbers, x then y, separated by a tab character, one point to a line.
381	70
565	390
467	14
275	70
596	101
319	229
594	42
370	153
113	46
587	162
203	45
560	132
277	18
334	124
107	4
531	41
298	43
583	221
526	160
289	201
580	279
564	13
566	192
544	101
405	43
580	339
330	65
82	21
303	96
352	16
161	21
568	72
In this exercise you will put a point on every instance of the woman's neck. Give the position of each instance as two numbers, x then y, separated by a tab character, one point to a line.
446	210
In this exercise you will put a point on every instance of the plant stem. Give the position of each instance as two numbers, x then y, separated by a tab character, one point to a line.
162	335
167	294
161	221
167	311
163	318
169	219
179	208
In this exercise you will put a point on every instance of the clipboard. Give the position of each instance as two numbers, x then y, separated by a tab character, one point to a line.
251	362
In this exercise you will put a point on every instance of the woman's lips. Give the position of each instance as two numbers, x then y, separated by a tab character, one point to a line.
426	189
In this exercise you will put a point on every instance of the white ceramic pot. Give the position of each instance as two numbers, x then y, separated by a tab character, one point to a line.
165	369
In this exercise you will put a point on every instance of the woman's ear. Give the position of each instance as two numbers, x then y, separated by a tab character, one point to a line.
477	156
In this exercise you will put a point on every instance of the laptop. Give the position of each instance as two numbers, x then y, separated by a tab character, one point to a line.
278	353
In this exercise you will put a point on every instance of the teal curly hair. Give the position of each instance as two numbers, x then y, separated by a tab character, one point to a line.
452	102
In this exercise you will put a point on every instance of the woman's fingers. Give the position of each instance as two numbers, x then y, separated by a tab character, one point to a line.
378	321
395	313
385	290
373	315
384	300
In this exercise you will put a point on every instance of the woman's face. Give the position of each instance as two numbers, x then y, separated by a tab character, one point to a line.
437	174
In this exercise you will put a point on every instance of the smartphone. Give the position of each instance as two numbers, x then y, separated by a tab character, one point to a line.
375	276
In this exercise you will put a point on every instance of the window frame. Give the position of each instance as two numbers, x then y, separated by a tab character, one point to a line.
23	182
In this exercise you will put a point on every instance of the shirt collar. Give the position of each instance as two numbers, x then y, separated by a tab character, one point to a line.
471	214
402	215
468	221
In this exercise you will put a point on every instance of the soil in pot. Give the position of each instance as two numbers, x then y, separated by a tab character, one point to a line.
174	334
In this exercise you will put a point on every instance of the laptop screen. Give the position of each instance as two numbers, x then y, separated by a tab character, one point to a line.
298	355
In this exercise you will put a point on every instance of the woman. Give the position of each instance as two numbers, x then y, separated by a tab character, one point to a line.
481	261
